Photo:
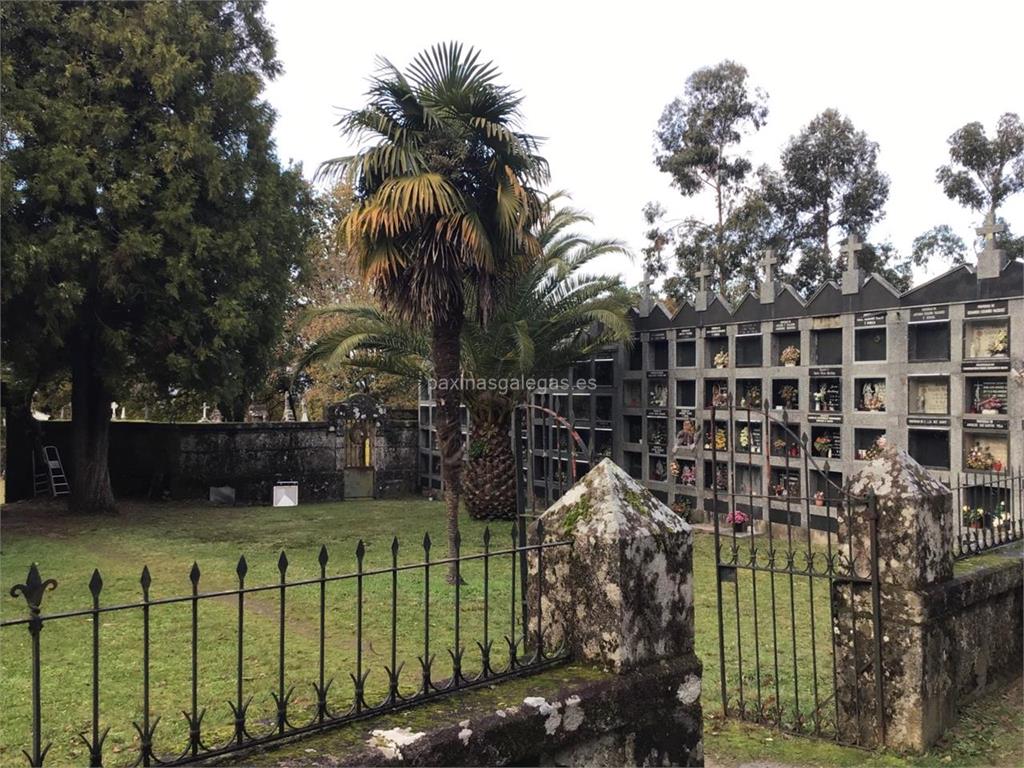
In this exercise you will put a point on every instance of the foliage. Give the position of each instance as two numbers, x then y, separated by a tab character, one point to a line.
697	136
444	188
830	180
545	319
150	232
982	174
939	243
748	226
332	280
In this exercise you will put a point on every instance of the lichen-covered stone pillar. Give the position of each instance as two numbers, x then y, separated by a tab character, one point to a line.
912	516
622	598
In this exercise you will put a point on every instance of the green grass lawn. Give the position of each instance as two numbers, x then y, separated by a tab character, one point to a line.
169	537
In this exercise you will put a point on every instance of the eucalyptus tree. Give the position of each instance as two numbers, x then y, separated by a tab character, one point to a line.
982	174
698	137
445	181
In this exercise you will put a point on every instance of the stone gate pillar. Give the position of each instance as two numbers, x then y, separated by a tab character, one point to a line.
914	544
622	598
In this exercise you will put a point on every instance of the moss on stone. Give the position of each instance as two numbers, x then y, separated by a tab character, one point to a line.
579	511
636	501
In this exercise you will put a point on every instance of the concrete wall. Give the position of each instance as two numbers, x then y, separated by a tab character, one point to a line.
182	461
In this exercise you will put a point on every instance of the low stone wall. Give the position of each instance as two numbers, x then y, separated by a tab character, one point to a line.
182	461
986	614
948	630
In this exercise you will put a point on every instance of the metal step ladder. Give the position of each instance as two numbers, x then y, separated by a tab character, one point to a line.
50	478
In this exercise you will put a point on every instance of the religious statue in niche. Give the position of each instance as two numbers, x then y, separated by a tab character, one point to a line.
685	474
687	436
821	400
872	396
659	470
719	396
658	396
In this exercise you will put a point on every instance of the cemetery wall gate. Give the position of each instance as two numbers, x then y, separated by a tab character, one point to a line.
797	585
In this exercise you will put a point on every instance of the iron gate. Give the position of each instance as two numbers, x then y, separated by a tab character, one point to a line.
799	635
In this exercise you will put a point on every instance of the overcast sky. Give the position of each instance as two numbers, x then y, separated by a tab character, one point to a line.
596	77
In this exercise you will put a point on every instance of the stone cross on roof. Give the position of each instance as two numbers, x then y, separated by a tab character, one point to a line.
701	300
646	303
852	274
768	261
990	260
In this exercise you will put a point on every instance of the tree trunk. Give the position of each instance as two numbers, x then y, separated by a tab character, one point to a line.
90	435
491	483
720	231
446	341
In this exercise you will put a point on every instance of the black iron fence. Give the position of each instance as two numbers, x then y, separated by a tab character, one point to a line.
988	510
513	650
799	623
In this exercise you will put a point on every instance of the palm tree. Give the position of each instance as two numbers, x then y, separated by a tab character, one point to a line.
446	194
551	314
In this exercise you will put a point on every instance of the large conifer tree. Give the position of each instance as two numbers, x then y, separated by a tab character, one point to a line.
150	231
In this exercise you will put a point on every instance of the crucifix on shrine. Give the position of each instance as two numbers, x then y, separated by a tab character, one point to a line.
852	276
768	262
700	301
991	260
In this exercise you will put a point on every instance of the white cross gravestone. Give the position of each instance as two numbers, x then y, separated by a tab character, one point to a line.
852	278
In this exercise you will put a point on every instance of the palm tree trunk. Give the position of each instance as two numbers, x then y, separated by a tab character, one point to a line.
491	484
446	338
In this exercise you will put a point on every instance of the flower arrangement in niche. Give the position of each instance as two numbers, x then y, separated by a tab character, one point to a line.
980	458
790	396
819	499
1000	343
744	438
876	448
972	517
790	356
752	397
722	359
990	405
823	445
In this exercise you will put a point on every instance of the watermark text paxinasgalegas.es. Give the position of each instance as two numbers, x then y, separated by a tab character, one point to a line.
506	384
